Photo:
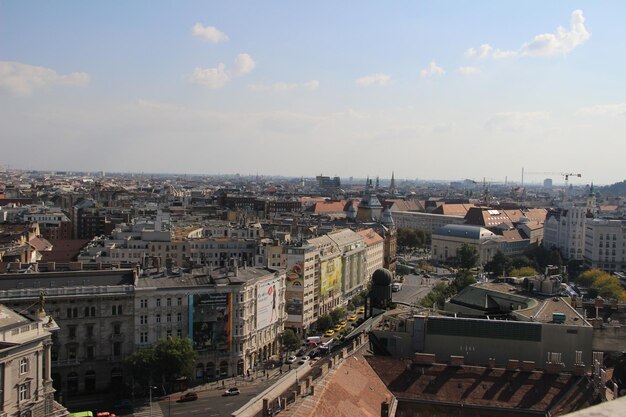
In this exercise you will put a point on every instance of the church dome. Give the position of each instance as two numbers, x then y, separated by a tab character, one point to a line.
382	277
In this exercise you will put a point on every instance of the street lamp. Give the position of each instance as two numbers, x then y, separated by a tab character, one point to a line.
150	398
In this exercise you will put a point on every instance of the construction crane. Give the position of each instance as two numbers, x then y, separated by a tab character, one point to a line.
565	175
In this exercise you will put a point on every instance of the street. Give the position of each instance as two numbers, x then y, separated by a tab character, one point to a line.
212	403
415	287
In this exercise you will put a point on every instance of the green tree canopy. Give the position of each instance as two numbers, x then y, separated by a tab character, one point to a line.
602	283
164	361
468	256
438	295
464	278
290	340
587	278
338	314
499	265
402	269
324	322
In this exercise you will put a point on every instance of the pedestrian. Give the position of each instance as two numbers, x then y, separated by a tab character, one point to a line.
222	383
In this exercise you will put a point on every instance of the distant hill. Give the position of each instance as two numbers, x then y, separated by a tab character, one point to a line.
619	188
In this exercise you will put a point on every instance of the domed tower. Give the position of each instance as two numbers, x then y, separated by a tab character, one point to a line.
381	288
386	219
369	206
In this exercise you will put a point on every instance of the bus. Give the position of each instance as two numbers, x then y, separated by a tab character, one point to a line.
81	414
325	347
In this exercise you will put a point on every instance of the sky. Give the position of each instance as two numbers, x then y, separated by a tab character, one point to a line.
427	89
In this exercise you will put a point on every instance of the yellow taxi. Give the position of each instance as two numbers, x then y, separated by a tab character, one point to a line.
337	327
361	310
352	317
329	333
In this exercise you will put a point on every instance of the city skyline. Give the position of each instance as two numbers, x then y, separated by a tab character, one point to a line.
429	90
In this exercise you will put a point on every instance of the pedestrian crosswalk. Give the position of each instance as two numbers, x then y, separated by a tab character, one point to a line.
144	411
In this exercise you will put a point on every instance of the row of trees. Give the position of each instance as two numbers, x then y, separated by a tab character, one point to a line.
411	239
523	265
601	284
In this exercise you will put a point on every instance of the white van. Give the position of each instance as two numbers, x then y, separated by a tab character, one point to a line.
313	340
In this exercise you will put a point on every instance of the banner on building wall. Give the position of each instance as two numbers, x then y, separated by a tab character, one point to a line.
331	275
212	317
294	295
267	303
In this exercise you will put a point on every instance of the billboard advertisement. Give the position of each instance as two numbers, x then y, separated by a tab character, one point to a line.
267	303
294	296
331	275
212	316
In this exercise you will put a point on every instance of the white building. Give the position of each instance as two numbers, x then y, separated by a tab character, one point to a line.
446	242
25	366
374	252
564	228
605	244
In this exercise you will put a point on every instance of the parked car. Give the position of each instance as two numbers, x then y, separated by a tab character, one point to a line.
352	317
291	359
361	310
329	333
303	359
301	352
188	396
337	327
231	391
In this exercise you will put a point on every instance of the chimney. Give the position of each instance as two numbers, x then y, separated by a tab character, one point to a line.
456	360
528	366
512	365
424	358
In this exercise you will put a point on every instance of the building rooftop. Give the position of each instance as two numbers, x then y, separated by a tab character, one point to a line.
476	386
464	231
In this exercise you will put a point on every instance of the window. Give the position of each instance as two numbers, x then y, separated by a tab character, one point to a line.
158	302
90	352
179	317
179	333
158	318
117	349
119	310
169	318
89	329
71	352
23	366
117	329
144	303
168	333
143	337
169	302
143	319
72	331
24	391
180	301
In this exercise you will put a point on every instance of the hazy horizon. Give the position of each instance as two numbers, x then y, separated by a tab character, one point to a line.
445	90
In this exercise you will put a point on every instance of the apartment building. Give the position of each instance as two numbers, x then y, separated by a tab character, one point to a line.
605	244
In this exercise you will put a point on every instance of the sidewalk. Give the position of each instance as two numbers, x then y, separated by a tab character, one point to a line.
144	411
238	381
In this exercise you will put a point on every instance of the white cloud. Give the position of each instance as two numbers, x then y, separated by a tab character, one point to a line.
469	70
281	86
431	70
218	77
210	77
604	110
483	51
22	79
515	121
208	33
379	79
243	64
561	42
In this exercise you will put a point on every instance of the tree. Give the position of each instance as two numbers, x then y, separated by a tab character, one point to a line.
402	269
468	256
587	278
338	314
324	322
290	340
609	287
464	278
525	271
174	357
438	295
166	360
498	265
